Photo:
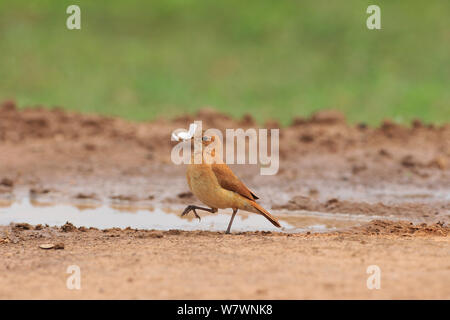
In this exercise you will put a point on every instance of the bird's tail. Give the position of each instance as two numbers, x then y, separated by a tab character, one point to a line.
266	214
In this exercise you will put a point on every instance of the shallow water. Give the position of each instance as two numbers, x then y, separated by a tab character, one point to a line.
122	216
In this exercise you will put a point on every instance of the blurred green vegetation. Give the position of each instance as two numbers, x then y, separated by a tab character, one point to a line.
273	59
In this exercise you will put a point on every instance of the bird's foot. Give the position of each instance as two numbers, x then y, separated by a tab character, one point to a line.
189	209
196	215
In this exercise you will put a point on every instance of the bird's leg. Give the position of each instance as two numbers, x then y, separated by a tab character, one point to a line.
231	221
193	208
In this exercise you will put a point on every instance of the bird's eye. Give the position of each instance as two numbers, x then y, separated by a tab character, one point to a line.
205	138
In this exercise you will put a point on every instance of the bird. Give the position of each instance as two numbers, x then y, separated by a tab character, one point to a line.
215	185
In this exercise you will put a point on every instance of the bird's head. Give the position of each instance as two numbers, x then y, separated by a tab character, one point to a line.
201	141
207	140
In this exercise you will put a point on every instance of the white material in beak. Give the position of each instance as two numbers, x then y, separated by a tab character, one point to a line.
183	135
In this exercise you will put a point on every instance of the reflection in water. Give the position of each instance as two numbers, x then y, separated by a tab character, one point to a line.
103	217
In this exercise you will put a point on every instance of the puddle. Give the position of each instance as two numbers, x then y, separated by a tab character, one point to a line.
103	217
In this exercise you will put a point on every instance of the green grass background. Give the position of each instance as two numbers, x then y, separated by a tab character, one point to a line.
273	59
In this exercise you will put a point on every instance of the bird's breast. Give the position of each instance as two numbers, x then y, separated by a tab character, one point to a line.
204	185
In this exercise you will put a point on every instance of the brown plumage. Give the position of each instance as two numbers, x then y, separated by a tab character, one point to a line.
229	181
218	187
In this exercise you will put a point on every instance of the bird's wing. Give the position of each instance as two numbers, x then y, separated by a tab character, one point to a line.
229	181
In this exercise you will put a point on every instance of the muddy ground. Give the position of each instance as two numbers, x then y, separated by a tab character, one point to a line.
398	174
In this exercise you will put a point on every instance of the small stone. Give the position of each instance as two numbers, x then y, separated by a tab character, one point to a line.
22	226
408	161
47	246
68	227
7	182
185	195
156	235
59	246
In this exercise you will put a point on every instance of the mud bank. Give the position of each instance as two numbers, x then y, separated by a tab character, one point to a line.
326	165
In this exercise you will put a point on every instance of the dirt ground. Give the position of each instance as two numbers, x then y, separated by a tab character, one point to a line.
400	174
204	265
